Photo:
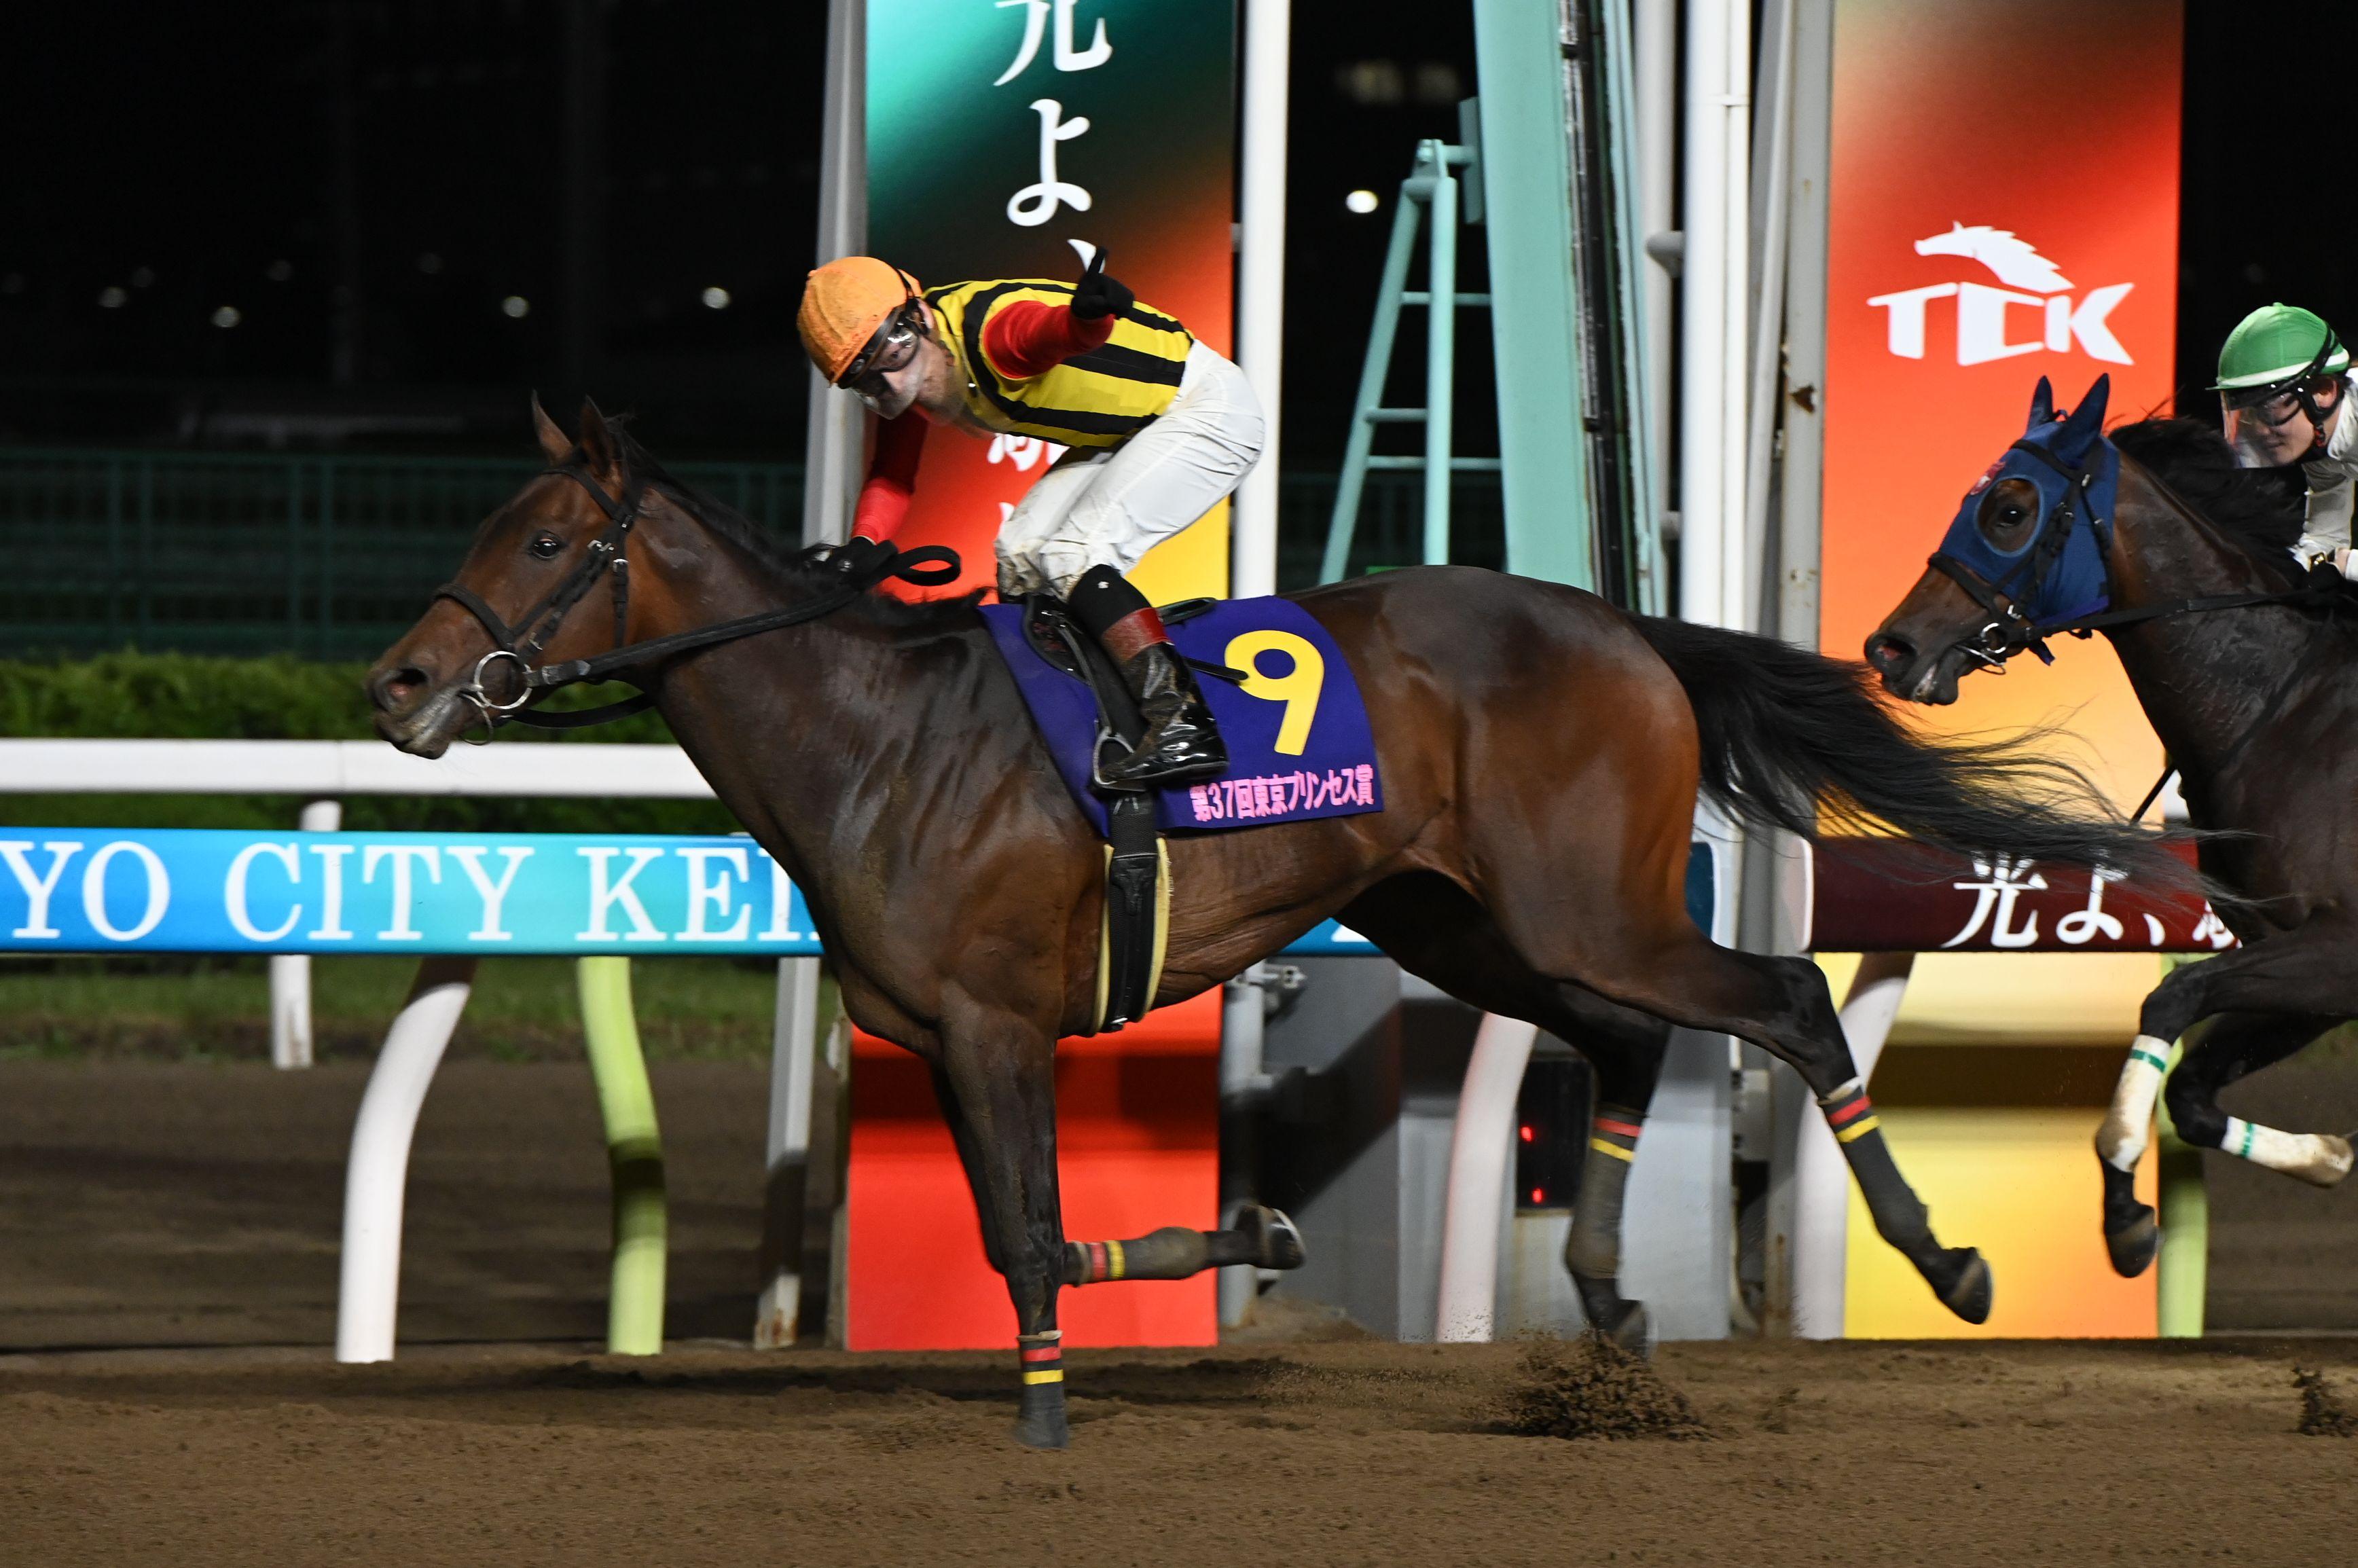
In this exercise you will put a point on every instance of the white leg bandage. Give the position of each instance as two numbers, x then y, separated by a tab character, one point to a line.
2319	1159
2121	1141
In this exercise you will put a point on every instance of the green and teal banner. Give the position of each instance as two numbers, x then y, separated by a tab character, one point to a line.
1003	136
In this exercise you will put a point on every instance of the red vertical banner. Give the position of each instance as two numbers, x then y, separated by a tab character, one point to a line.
2003	206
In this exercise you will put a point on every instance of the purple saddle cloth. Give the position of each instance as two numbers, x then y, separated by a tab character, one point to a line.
1299	745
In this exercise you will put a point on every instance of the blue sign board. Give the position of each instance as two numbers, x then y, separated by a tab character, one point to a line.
80	890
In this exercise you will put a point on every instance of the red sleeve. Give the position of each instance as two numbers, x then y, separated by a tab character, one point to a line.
1024	338
892	477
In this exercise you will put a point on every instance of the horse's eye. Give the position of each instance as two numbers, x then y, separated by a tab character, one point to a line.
545	546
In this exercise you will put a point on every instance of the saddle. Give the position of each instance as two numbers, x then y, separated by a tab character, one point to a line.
1136	922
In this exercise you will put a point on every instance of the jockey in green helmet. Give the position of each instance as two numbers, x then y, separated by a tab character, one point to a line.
2284	389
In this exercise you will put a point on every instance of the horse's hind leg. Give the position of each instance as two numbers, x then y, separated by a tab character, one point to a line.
1658	962
1435	930
999	1072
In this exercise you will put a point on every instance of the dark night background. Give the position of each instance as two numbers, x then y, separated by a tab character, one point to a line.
365	184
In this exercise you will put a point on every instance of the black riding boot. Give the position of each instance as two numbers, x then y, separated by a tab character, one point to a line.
1181	742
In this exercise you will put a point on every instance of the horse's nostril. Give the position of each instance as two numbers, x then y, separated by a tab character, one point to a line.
1888	654
395	689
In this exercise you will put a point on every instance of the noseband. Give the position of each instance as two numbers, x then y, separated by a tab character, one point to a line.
608	556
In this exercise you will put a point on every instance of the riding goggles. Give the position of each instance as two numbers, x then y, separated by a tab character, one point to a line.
891	349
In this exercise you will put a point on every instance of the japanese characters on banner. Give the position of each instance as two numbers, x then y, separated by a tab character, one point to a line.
1003	134
2003	206
1889	895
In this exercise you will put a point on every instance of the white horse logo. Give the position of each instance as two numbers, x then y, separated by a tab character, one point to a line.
2031	281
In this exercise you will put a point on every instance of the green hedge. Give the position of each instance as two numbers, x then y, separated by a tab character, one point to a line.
190	697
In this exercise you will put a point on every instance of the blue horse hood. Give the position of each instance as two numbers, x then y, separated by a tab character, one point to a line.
2070	463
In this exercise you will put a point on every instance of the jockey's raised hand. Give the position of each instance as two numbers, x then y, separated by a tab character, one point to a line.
1098	295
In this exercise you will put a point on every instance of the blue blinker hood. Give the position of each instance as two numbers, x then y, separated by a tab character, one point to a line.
2058	575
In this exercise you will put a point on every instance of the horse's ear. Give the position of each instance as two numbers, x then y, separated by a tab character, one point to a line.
599	443
2042	406
554	444
2087	420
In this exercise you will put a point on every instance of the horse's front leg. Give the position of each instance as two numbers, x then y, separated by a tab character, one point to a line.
998	1070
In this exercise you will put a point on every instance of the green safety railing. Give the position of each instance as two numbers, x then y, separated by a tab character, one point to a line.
334	556
329	556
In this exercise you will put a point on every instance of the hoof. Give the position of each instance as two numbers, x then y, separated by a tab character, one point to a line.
2132	1247
1276	1243
1959	1276
2131	1234
1624	1322
2330	1162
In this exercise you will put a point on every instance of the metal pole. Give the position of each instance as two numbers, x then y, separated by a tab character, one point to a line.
290	973
1478	1152
1244	1022
1260	286
1441	355
376	1171
1804	414
1657	92
1768	304
1345	523
837	429
793	1050
626	1103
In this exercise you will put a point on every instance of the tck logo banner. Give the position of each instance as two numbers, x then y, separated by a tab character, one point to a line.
71	890
2002	204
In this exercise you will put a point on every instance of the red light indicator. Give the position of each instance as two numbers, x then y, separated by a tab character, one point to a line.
1538	1196
1528	1134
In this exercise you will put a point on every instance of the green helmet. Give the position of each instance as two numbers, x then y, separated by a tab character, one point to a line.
2277	345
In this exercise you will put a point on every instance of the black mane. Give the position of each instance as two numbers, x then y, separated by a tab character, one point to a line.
802	570
2263	508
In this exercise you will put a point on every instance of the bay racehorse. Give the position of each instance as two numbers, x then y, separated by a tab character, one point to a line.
2243	664
1540	753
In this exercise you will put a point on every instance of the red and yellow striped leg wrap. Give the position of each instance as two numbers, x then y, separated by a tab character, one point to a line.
1106	1261
1849	1112
1042	1357
1615	1132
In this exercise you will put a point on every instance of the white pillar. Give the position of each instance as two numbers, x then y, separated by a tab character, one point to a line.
290	973
1820	1176
835	436
377	1172
1657	55
1479	1149
1713	362
1261	286
793	1050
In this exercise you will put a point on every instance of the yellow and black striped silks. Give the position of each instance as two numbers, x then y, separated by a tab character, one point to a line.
1098	399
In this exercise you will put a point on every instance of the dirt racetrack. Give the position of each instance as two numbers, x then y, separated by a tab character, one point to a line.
177	1222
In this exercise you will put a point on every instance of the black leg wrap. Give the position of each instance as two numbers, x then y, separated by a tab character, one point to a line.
2132	1231
1040	1421
1958	1275
1264	1238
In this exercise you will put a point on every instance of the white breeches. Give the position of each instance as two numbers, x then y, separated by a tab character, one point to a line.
1109	506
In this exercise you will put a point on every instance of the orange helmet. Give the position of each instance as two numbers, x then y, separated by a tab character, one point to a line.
844	304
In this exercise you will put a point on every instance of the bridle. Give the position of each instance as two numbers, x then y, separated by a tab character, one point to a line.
2009	631
607	556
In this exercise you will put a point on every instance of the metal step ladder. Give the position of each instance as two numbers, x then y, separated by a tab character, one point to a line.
1431	189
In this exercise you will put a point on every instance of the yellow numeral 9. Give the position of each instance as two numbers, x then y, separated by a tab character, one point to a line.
1297	688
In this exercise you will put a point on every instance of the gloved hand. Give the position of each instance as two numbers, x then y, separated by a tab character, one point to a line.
859	557
1098	295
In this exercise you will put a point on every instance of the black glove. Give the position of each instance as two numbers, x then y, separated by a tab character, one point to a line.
859	557
1098	295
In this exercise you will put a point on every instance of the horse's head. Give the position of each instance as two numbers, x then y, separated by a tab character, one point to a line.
544	580
2025	557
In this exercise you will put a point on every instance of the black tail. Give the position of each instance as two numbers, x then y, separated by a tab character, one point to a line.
1798	740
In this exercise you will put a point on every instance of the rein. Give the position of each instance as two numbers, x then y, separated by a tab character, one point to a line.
522	643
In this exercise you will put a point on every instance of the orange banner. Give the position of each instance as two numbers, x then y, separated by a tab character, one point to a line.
2003	206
